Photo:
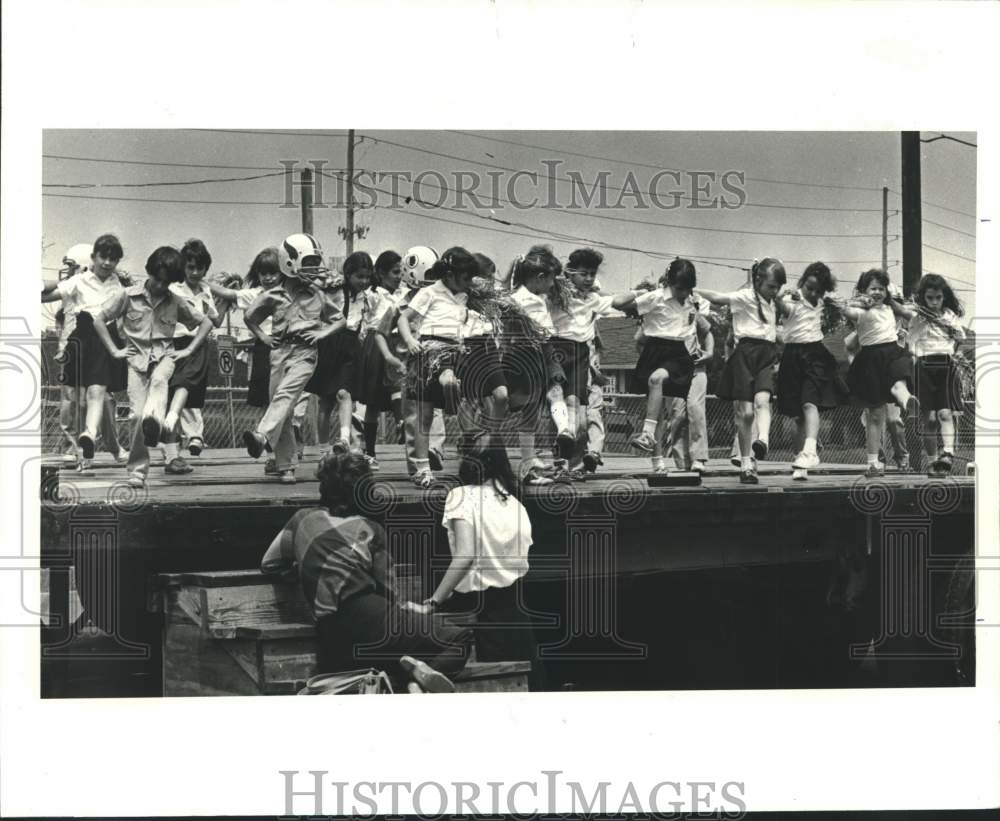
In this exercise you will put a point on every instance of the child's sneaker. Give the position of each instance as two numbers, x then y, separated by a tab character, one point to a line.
903	463
288	477
749	477
943	464
805	461
195	446
423	479
736	462
591	461
85	467
875	471
436	458
799	474
254	443
372	462
151	431
643	441
759	448
136	480
177	467
87	445
123	456
699	466
271	468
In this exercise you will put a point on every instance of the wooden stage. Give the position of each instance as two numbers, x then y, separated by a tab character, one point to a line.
714	561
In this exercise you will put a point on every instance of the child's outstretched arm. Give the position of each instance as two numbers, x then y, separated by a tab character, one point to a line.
902	310
715	297
706	341
412	344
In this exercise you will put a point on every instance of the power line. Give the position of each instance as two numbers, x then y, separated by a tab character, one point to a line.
659	167
262	133
164	164
560	178
180	202
167	183
942	225
949	137
937	205
949	253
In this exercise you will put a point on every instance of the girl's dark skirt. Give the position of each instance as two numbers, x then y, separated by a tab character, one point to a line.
479	367
530	370
191	373
476	362
671	355
337	366
88	362
938	383
808	374
258	390
749	370
373	388
875	370
573	358
368	631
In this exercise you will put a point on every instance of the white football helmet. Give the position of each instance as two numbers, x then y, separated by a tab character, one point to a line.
416	262
300	256
76	260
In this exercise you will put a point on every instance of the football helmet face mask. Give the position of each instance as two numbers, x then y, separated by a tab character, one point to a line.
77	260
416	262
301	256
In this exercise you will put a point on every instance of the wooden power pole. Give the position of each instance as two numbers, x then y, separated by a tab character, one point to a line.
912	219
349	234
307	201
885	228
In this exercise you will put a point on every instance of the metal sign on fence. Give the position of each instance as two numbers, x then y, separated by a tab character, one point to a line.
225	345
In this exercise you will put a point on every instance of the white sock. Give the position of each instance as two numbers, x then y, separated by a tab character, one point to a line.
746	462
809	447
560	415
649	426
345	433
422	465
170	451
872	458
658	462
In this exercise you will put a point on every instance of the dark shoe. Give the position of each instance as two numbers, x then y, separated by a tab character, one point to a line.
254	443
87	445
875	471
943	464
151	431
591	461
749	477
194	447
271	468
912	409
759	448
436	458
736	462
177	467
426	676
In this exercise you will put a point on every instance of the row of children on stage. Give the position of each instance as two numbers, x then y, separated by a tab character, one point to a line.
432	334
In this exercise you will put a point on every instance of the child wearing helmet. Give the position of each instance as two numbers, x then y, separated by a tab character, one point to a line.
302	313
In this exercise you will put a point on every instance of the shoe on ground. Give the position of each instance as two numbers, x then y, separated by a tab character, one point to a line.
423	479
562	474
430	680
84	465
736	462
943	464
577	475
698	466
288	477
806	461
254	443
123	456
87	445
195	446
152	430
136	480
876	471
749	477
591	461
177	467
902	463
372	462
759	448
800	474
436	458
643	441
271	468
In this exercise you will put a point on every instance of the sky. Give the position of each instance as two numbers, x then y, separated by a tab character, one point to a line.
799	188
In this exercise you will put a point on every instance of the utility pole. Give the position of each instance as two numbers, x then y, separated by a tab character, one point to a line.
349	237
885	228
307	200
912	219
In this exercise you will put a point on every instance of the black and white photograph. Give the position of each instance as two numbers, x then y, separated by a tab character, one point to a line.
626	377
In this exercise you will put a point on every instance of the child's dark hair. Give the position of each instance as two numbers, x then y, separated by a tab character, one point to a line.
488	461
385	262
487	267
760	272
357	261
585	258
872	275
681	274
194	250
454	262
821	273
342	482
936	282
537	262
166	261
266	262
108	246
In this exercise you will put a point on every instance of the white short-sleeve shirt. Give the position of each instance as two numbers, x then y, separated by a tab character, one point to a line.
501	535
201	301
87	292
442	312
245	298
804	322
665	317
876	326
579	321
746	319
536	306
925	337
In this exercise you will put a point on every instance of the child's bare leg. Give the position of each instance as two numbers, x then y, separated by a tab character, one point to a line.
930	434
762	416
497	406
95	410
418	417
744	418
874	432
897	432
344	408
946	421
177	404
558	408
